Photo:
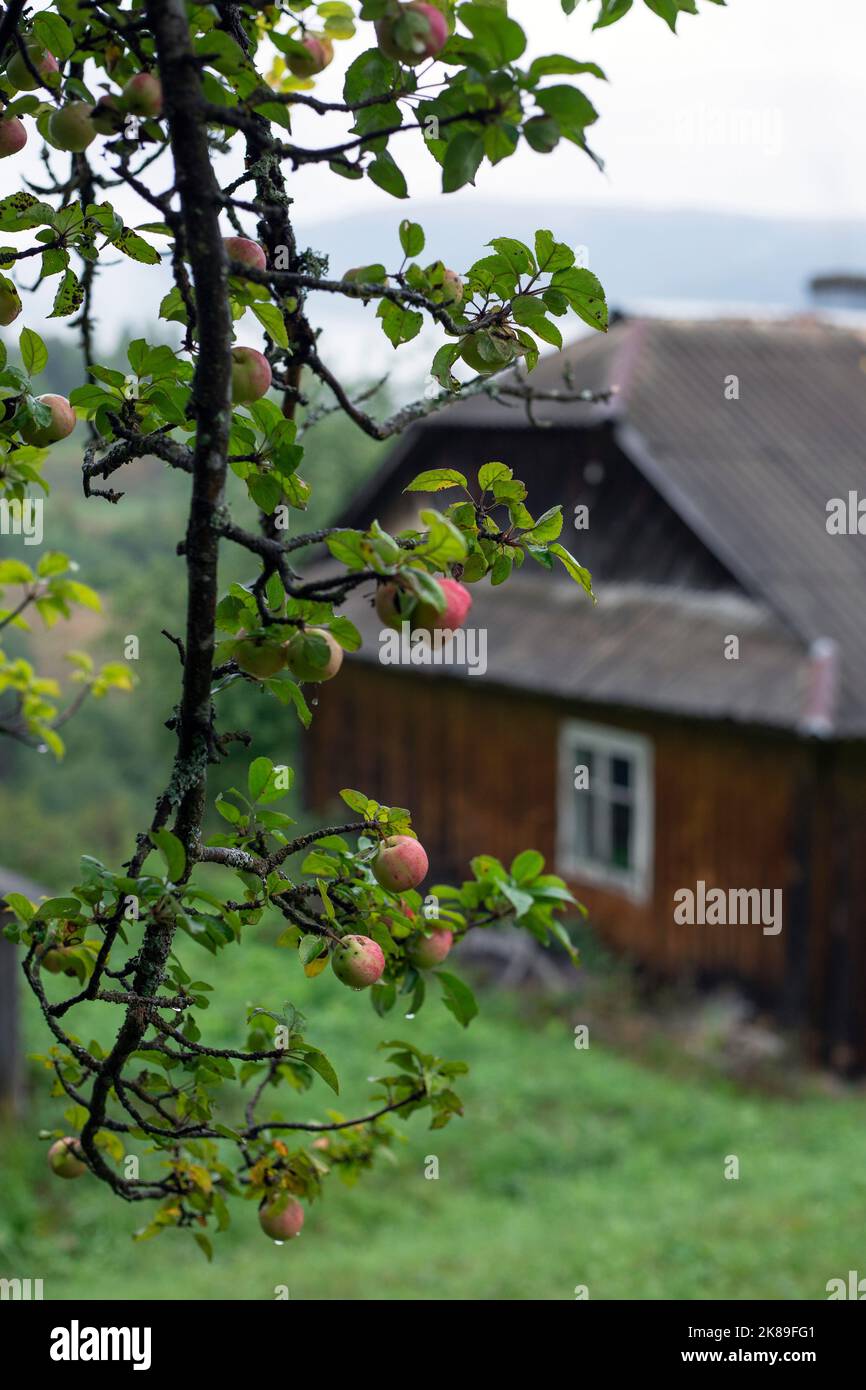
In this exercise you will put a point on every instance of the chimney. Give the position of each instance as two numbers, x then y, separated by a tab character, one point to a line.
839	290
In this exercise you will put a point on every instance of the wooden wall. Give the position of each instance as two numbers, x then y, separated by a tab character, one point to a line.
737	808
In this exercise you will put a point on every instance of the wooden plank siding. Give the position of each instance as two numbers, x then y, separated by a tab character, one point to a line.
736	807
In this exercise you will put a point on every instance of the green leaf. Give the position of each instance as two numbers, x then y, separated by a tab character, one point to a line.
412	238
271	319
457	997
34	353
54	34
436	479
516	253
172	852
585	294
356	801
527	866
388	175
552	255
258	776
310	947
69	296
578	573
319	1063
462	159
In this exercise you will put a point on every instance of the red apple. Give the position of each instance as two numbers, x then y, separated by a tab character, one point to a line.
71	128
142	95
62	423
417	32
458	601
428	951
452	287
10	302
251	375
240	248
358	961
13	136
281	1217
319	53
64	1158
259	658
310	660
400	864
45	63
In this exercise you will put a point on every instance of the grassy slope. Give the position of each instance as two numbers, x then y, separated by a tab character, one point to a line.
570	1168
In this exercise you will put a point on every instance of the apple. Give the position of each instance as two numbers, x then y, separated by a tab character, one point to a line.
394	605
281	1217
240	248
55	961
71	128
251	375
10	302
358	961
142	95
64	1158
13	136
414	32
458	601
319	53
259	658
62	423
19	74
107	117
503	346
309	660
452	287
428	951
400	864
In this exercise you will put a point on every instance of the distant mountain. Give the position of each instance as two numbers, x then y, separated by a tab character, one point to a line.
641	255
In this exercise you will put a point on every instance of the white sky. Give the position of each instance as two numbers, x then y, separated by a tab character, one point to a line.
757	107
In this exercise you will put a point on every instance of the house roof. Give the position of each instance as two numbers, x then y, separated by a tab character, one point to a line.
750	475
641	647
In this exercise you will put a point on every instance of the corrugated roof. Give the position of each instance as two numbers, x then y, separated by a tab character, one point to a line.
752	476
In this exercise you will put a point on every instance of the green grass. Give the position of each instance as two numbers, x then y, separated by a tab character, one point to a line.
569	1168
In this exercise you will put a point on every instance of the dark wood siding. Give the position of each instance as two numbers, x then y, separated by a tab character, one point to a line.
737	808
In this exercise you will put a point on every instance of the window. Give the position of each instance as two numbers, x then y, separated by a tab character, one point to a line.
605	820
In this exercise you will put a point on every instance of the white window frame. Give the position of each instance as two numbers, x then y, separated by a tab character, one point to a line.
637	881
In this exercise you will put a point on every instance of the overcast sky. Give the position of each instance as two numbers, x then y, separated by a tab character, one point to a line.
757	107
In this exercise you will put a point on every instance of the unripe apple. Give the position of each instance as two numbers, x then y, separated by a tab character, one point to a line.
503	345
259	658
452	287
71	128
10	302
308	661
251	375
400	864
62	423
393	605
428	951
240	248
419	31
106	116
458	601
358	961
142	95
64	1158
320	52
45	63
13	136
281	1217
56	961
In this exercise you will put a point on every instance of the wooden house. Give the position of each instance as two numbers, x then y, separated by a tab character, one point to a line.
705	723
